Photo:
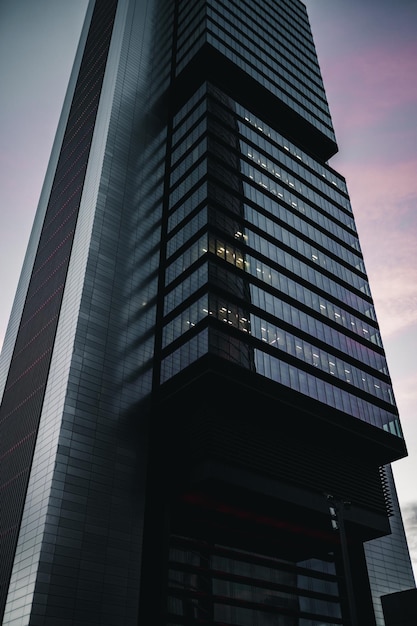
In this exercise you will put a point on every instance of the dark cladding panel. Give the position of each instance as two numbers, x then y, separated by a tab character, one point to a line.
400	609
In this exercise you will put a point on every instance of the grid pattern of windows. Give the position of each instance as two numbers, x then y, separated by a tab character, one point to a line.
251	35
303	268
218	585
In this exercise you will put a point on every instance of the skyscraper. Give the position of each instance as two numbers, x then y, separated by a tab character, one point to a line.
197	417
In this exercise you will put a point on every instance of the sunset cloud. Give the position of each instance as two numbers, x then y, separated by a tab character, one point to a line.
409	512
384	201
378	191
406	394
375	82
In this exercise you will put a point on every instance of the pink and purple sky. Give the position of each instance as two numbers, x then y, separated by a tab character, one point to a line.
368	55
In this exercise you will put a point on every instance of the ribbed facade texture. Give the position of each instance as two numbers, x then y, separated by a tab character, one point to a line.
197	418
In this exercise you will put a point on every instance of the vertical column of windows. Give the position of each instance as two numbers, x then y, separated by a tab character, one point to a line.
187	205
161	54
186	354
198	222
189	285
191	31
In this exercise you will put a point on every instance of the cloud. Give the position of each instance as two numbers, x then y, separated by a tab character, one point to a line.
384	200
405	389
383	190
409	514
395	304
372	96
383	77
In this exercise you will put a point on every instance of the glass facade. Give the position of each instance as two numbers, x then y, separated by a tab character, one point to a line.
240	587
247	200
194	364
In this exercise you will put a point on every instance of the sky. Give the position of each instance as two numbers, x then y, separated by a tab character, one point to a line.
367	51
